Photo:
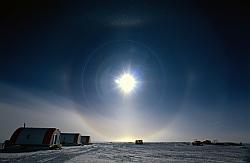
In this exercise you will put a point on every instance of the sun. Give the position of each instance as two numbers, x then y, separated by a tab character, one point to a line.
126	82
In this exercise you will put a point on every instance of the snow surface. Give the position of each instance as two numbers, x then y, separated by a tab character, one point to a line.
128	152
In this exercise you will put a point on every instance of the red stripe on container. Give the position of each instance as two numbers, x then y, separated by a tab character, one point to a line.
48	135
76	138
15	135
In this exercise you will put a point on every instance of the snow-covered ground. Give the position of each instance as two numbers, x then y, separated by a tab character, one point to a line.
126	152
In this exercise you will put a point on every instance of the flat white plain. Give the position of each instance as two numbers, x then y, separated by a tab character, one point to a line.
129	152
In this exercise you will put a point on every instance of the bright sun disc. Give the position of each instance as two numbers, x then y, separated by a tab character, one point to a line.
126	83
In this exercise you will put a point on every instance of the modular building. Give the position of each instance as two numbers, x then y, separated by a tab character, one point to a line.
29	139
85	140
70	139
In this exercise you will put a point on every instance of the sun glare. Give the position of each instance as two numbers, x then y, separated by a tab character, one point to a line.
126	83
125	139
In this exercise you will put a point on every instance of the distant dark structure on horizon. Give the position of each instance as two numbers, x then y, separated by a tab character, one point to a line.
31	139
138	142
209	142
85	140
197	143
70	139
